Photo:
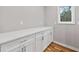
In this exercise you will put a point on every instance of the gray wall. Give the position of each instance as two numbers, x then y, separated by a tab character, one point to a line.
11	17
66	34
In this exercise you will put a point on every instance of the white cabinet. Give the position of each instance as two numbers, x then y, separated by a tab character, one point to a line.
19	44
29	46
39	38
36	42
47	38
43	39
13	46
17	49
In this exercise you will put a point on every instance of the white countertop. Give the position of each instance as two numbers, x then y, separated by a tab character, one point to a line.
5	37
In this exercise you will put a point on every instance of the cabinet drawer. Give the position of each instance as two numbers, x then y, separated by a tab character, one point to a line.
26	38
9	45
39	34
15	43
46	32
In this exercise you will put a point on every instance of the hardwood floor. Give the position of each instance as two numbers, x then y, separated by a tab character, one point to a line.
54	47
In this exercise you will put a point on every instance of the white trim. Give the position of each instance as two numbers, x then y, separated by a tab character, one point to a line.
68	46
73	17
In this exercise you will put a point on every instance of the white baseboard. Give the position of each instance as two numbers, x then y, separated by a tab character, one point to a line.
73	48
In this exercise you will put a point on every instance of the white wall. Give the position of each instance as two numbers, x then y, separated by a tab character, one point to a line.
51	15
11	16
66	34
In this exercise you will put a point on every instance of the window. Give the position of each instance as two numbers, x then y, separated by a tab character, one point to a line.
66	15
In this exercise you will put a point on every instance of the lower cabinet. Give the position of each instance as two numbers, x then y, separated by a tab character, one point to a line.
23	44
37	42
17	49
13	46
43	39
12	49
47	39
29	46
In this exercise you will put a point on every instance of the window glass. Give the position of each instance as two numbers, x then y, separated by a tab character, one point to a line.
65	13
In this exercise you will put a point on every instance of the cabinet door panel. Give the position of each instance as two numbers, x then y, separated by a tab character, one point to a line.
18	49
39	44
30	48
9	45
30	45
45	42
45	39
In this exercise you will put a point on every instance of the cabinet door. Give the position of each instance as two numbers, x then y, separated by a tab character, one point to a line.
18	49
39	43
10	46
29	46
45	40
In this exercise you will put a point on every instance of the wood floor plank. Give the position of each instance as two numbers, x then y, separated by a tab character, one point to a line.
54	47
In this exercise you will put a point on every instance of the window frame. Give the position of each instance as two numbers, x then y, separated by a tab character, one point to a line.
72	18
